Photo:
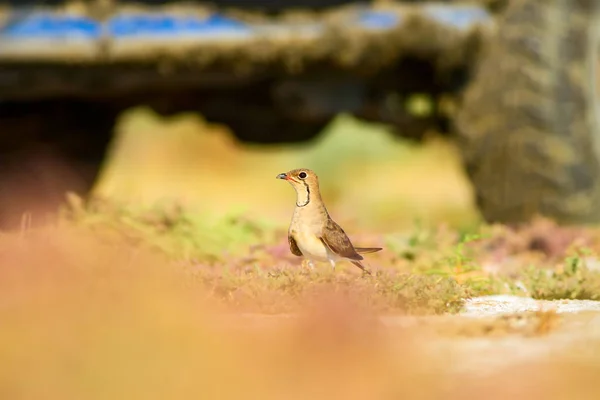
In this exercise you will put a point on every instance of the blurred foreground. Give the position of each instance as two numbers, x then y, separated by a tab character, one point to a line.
83	318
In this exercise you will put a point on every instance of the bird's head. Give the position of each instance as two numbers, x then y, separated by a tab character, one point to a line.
300	177
304	181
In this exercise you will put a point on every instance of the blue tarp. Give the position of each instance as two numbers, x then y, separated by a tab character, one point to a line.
34	24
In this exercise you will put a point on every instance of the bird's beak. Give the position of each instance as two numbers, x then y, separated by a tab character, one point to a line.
282	176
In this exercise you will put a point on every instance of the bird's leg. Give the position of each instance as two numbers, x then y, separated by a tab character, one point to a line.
308	264
332	262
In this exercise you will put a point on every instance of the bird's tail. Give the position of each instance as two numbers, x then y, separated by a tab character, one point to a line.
359	265
364	250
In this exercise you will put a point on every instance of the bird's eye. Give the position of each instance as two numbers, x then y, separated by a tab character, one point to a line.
302	175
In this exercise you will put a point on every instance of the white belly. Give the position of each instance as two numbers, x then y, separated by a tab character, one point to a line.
312	247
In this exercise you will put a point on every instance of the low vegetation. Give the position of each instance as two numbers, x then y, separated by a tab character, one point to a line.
247	265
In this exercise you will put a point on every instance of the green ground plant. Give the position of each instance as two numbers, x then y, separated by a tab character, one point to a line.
575	279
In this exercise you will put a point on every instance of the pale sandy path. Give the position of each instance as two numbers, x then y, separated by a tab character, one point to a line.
474	347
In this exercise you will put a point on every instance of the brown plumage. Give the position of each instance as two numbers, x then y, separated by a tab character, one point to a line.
312	233
293	246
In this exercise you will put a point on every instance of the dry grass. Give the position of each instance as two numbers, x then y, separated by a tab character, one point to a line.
247	264
250	267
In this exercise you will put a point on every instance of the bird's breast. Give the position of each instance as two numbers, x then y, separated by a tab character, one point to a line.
306	229
310	217
310	245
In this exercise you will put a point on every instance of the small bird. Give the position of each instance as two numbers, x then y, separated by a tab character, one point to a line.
312	233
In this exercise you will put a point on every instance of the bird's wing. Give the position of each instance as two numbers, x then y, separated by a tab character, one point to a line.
364	250
293	246
334	237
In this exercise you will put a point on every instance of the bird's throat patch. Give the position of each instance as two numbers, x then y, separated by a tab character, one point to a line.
303	201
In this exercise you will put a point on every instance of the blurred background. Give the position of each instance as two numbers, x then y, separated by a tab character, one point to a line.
369	177
409	111
156	104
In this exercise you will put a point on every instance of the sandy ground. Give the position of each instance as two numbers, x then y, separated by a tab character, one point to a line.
498	305
492	333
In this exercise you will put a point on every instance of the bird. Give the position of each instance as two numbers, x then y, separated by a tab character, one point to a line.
312	233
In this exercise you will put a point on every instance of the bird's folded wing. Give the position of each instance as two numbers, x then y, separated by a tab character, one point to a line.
334	237
293	246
